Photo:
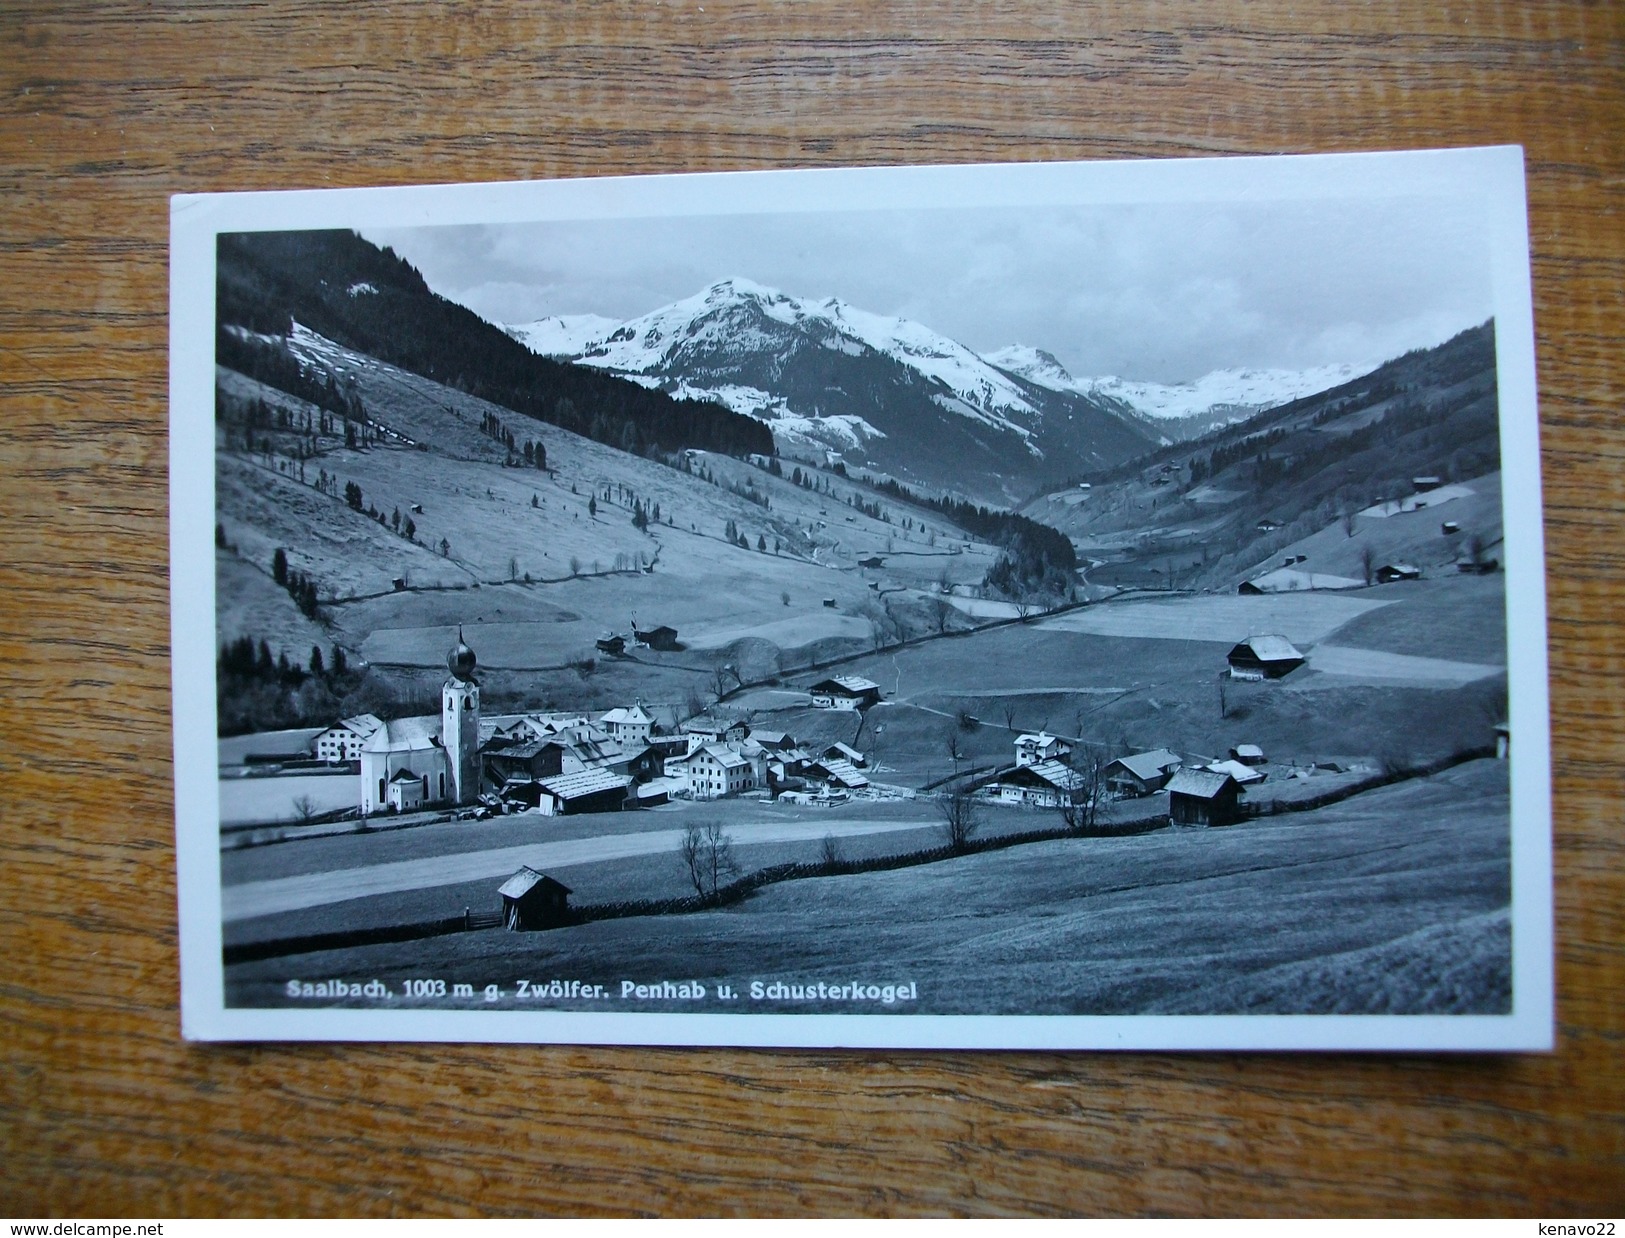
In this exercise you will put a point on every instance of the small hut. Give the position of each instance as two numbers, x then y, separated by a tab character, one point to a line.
1203	797
531	900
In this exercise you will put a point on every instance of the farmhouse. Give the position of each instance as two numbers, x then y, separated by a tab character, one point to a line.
1264	657
532	900
1390	572
444	759
1031	749
716	771
1202	797
342	741
708	730
628	726
1045	784
589	790
1141	773
845	692
611	644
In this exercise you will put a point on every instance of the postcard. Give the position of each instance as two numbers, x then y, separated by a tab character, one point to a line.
1072	605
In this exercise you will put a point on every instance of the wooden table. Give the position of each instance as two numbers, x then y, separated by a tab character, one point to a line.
109	108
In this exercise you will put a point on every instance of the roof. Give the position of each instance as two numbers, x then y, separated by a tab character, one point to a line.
405	775
726	757
1202	783
1270	648
846	750
362	724
853	684
1241	773
525	880
1054	773
1041	738
634	716
706	724
1149	765
843	772
1400	567
1248	750
405	735
772	739
585	782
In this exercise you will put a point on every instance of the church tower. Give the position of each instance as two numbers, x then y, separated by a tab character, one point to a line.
460	723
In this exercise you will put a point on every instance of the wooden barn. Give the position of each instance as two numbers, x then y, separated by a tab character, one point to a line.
1202	797
1264	657
1142	773
532	900
662	638
1390	572
589	790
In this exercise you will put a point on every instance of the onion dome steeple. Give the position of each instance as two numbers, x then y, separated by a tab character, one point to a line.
460	660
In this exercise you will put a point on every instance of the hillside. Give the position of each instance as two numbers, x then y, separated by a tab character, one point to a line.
1204	513
369	300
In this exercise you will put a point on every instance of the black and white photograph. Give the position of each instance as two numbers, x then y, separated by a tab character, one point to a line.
1069	605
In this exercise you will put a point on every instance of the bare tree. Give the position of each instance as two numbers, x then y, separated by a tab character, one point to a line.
707	854
952	746
304	809
1009	708
693	704
941	611
1367	563
721	674
1083	805
960	817
829	854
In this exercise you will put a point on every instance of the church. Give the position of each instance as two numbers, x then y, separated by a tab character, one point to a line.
410	763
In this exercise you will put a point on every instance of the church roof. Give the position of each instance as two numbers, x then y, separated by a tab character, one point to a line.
405	735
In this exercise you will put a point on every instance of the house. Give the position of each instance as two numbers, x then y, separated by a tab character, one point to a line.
705	730
588	790
662	638
1031	749
830	603
845	752
628	727
837	774
522	760
342	741
716	771
532	900
1141	773
1044	784
1264	657
1390	572
774	741
845	692
1202	797
611	644
1247	754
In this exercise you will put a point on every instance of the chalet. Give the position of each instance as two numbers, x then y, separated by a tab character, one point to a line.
590	790
1031	749
716	771
342	741
628	727
532	900
1264	657
611	644
845	692
845	752
662	638
1141	773
534	758
1044	784
1247	754
1390	572
1202	797
837	774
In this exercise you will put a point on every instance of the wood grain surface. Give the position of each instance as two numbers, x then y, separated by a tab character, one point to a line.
107	108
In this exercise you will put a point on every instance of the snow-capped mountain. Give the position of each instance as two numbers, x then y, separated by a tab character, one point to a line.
562	335
1182	411
884	390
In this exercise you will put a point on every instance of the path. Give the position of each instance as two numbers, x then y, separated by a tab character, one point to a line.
264	898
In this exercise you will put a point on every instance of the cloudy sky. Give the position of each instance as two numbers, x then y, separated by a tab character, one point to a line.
1164	293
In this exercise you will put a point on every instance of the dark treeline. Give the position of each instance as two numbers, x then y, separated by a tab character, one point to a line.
373	301
1034	542
273	363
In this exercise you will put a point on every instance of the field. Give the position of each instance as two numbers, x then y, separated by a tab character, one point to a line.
265	799
1392	902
